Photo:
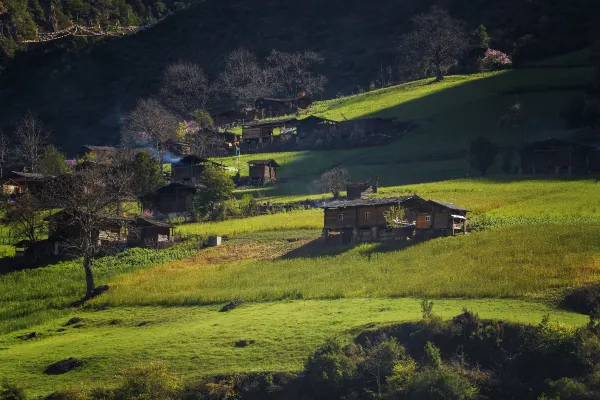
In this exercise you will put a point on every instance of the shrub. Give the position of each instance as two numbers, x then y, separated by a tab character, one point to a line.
567	388
433	358
329	369
402	377
10	391
149	382
442	384
494	60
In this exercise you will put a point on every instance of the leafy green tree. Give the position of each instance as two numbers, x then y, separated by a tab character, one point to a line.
482	154
147	175
216	187
53	162
442	384
433	358
396	216
480	40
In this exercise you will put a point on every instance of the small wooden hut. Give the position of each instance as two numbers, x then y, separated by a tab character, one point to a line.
151	233
188	169
262	171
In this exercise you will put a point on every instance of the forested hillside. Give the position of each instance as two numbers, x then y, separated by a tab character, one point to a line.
82	88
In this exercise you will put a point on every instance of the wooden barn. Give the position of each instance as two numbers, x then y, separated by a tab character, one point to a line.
440	218
16	183
263	132
271	107
64	226
363	219
555	156
359	190
173	198
189	169
151	233
262	171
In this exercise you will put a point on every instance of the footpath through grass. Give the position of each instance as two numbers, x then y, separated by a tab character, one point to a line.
200	341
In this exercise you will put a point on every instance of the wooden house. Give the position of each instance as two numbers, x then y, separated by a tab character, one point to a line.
262	171
272	107
65	226
16	183
100	154
173	198
554	156
439	218
189	169
151	233
363	219
264	131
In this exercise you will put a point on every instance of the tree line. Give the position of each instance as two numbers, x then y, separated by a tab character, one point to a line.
180	111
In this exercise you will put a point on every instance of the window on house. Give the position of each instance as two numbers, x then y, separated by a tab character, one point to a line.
427	218
367	215
341	217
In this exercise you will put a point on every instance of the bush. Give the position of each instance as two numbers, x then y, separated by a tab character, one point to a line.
566	388
149	382
494	60
9	391
329	369
442	384
402	377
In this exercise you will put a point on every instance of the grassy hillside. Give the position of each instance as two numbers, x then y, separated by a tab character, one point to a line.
83	87
540	242
448	115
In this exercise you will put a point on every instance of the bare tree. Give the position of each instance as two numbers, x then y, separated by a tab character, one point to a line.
150	124
32	138
90	199
185	88
5	151
206	144
435	44
333	181
26	218
243	79
291	75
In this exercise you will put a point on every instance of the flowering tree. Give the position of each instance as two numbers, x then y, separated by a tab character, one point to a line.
495	59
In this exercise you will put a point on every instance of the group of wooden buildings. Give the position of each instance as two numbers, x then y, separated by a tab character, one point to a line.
360	218
312	132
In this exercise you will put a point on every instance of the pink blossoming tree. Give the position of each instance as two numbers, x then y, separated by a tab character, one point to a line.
494	59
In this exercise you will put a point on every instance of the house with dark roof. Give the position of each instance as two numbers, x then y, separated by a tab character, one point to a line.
188	169
175	198
16	183
440	218
262	171
363	219
151	233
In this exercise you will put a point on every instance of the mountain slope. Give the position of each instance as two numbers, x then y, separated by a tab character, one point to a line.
83	93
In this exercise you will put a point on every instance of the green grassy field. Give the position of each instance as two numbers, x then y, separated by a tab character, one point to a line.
448	114
199	341
538	239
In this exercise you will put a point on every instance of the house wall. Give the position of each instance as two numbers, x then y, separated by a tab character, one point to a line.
186	173
173	203
376	216
263	172
332	220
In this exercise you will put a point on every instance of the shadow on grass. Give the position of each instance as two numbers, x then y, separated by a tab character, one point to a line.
320	248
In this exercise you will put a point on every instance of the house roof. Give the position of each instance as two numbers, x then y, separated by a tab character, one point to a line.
175	186
270	162
378	201
193	159
272	122
99	148
154	222
29	175
449	206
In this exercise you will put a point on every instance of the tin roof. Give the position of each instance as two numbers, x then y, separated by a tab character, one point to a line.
380	201
449	206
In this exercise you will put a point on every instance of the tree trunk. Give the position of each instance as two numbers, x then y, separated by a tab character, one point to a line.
89	276
439	75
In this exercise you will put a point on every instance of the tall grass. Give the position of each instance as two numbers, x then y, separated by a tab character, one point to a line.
311	219
516	261
29	297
